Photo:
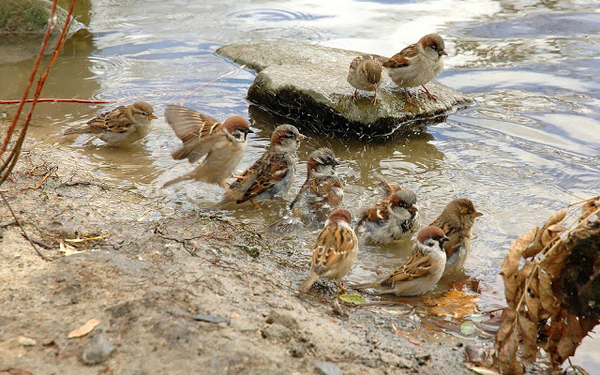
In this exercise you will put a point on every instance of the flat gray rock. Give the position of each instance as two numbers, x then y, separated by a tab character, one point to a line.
306	84
327	368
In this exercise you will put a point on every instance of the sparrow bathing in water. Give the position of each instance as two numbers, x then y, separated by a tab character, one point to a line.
365	74
221	144
457	221
420	272
394	218
272	175
121	126
334	251
417	64
322	191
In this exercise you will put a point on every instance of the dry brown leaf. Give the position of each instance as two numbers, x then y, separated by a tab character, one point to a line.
528	333
84	329
453	302
547	298
510	265
506	349
589	208
551	233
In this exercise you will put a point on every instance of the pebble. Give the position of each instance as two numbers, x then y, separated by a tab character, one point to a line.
26	341
327	368
211	319
97	351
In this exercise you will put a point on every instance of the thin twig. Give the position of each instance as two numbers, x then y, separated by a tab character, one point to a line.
398	332
60	100
23	233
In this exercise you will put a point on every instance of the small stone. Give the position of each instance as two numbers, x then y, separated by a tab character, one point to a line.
211	319
327	368
404	363
297	352
26	341
97	351
276	332
282	319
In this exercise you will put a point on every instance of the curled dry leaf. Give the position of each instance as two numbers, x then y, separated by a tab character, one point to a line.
84	329
510	265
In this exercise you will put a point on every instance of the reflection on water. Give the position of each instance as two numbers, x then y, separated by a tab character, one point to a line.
528	148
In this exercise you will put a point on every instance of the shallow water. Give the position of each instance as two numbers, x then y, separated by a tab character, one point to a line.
529	147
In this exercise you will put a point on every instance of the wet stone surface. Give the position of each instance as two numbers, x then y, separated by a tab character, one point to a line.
306	84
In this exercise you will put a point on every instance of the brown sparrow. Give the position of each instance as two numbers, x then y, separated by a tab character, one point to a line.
222	143
334	251
121	126
272	175
420	272
417	64
365	74
457	221
394	218
322	191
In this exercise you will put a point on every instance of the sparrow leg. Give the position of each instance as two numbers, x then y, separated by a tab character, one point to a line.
341	286
408	99
355	96
256	205
375	95
430	95
243	178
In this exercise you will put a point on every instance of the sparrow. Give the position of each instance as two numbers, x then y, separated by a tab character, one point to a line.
334	251
420	272
121	126
457	221
272	175
417	64
365	74
223	144
394	218
322	191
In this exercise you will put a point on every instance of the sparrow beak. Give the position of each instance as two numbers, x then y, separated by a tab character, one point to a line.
442	52
249	131
152	116
412	209
477	214
301	137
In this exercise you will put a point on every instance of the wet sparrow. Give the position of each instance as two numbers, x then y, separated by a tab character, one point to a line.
420	272
417	64
365	74
394	218
457	221
121	126
334	251
322	191
222	143
272	175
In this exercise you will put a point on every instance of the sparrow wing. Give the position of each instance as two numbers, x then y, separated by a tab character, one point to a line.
333	246
402	58
357	60
262	175
115	121
197	131
452	232
418	265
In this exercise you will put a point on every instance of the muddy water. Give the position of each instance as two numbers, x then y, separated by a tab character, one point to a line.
530	146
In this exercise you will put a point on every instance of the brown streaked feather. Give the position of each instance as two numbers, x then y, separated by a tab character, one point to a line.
403	57
268	170
328	252
356	62
419	264
189	125
115	121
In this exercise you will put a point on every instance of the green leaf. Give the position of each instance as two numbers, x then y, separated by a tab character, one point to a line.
352	298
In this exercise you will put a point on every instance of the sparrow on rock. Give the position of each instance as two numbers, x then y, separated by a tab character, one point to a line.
223	144
272	175
394	218
457	221
365	74
121	126
322	191
334	251
417	64
420	272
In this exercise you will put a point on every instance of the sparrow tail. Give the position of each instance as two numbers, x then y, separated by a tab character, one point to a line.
76	130
308	283
364	286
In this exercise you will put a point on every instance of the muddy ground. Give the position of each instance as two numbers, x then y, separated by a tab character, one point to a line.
163	267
